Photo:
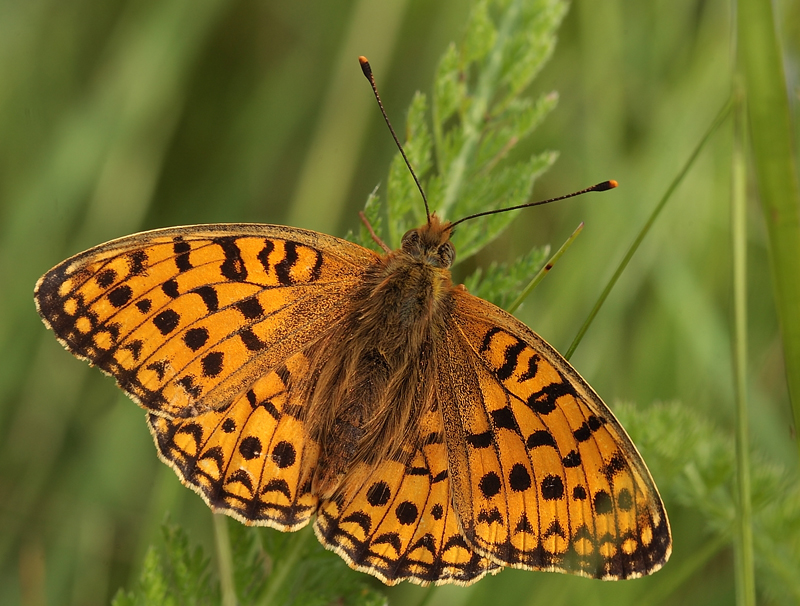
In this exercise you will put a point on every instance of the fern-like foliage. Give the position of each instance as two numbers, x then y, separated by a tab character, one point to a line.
479	114
269	568
695	465
175	575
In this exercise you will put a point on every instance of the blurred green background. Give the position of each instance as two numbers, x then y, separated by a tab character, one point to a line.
124	115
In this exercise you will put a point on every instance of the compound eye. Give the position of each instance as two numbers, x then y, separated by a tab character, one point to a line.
447	253
410	237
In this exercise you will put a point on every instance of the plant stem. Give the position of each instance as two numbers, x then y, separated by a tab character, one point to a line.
544	270
745	573
224	560
760	60
721	115
282	569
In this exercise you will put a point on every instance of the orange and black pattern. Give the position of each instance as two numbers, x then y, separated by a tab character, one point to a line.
216	331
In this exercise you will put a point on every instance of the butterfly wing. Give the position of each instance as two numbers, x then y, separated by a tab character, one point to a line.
205	327
544	477
396	520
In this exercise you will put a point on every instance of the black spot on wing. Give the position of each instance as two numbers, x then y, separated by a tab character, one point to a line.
589	426
518	478
181	250
250	308
602	502
284	267
212	363
120	295
170	288
503	418
167	321
573	459
195	338
552	488
136	261
233	267
284	454
510	358
480	440
250	448
406	513
378	494
490	484
544	401
251	340
209	296
106	278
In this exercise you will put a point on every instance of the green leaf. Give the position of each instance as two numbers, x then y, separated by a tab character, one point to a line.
174	575
774	150
480	34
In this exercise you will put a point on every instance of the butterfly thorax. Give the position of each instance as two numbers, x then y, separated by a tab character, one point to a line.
377	369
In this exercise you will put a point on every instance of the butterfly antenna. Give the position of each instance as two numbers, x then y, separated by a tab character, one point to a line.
604	186
365	67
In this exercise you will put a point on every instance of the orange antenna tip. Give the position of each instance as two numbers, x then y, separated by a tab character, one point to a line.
365	67
605	185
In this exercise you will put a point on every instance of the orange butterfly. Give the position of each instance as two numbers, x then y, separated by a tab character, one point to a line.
287	373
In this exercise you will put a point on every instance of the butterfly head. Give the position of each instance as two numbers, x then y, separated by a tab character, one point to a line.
430	243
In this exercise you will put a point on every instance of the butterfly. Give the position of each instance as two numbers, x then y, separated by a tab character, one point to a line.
288	374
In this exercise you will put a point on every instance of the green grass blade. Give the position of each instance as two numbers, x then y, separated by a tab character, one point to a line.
772	145
224	560
721	115
544	270
745	571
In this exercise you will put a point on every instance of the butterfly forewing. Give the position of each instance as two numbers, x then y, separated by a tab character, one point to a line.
551	480
187	318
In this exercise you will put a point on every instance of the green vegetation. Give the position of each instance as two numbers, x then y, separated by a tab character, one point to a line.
119	116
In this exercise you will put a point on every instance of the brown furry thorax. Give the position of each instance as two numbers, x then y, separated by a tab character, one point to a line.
377	369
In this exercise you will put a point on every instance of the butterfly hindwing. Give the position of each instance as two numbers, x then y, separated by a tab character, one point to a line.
396	520
550	479
251	460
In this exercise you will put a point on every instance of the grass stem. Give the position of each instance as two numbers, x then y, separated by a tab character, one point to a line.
745	571
720	117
